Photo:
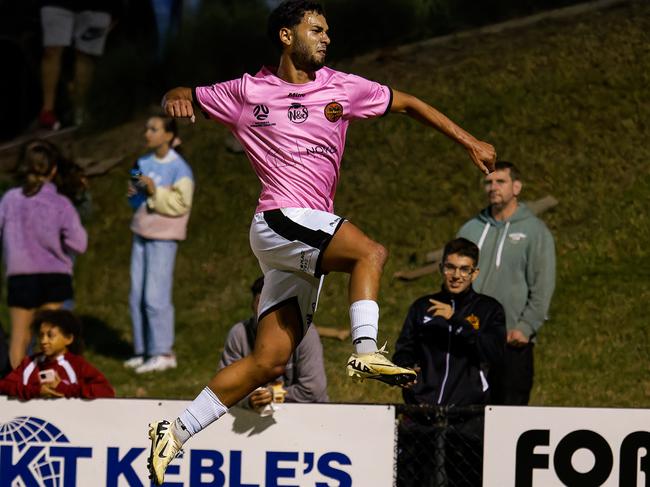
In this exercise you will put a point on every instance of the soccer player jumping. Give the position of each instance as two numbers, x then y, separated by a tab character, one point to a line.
292	121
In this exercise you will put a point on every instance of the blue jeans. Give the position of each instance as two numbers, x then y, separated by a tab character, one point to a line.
150	300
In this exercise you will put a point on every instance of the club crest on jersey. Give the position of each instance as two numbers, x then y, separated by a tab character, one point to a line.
333	111
297	113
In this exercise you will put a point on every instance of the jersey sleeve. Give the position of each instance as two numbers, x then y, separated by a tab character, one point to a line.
222	102
367	98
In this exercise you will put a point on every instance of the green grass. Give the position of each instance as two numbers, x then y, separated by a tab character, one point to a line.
567	100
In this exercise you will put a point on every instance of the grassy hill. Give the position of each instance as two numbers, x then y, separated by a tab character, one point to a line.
569	101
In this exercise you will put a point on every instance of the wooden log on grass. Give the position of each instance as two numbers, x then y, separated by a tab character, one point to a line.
433	258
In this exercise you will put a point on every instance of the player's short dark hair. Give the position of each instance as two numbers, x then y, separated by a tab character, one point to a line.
289	14
256	287
461	246
515	175
65	321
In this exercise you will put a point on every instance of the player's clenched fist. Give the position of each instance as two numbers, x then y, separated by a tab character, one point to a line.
177	103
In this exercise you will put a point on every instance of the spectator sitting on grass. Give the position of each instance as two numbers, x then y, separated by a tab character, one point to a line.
58	370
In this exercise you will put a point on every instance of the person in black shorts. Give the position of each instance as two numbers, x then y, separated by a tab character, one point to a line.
41	232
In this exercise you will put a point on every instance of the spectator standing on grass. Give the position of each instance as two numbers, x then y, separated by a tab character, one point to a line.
304	377
518	269
452	339
84	24
58	370
160	192
41	232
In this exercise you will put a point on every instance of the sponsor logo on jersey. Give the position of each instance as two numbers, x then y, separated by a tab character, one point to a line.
333	111
261	114
321	150
297	113
296	95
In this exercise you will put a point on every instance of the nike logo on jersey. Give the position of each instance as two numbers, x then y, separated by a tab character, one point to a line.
426	319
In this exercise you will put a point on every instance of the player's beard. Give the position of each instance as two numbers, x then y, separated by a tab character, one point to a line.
304	60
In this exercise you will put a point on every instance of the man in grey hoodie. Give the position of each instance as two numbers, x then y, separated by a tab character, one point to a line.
517	263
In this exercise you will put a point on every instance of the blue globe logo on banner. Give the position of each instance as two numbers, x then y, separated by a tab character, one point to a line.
24	431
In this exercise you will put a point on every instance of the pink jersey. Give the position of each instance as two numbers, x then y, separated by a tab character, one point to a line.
294	134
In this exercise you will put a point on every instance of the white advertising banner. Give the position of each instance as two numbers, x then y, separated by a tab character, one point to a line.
549	447
77	443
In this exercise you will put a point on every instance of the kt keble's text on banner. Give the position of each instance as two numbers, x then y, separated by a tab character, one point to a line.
554	447
76	443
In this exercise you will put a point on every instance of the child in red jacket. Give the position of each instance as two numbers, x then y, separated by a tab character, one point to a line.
58	370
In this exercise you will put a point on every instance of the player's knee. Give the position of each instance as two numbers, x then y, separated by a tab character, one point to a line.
377	254
269	368
270	373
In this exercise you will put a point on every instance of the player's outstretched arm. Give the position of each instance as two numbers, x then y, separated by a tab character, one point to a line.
482	154
177	103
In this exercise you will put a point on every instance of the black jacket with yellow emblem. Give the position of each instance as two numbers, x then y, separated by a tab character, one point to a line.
454	355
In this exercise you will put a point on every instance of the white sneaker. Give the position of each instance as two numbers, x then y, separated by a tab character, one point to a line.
164	448
157	363
134	362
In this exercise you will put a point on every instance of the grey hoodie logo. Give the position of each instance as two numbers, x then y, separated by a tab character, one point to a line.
516	236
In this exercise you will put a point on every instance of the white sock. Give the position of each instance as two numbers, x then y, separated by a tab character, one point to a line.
364	317
203	411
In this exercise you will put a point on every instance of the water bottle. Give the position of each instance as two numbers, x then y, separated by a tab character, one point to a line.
140	197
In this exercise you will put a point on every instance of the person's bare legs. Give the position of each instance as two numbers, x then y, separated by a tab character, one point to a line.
21	335
353	252
83	73
50	73
278	334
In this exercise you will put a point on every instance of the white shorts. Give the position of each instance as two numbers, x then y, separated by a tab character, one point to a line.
88	29
289	245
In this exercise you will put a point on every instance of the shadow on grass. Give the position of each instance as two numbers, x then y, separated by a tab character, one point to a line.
104	340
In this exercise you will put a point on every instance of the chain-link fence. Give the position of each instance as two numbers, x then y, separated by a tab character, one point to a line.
439	446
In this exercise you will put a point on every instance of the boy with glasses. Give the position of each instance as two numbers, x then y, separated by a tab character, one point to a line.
452	338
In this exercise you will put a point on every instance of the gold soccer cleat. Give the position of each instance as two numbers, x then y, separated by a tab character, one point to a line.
376	366
164	448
